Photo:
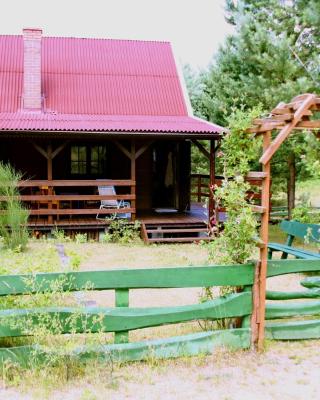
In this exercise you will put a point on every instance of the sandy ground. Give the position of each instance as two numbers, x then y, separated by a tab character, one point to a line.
286	370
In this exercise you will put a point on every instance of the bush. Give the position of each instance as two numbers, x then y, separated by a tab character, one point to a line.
122	231
13	217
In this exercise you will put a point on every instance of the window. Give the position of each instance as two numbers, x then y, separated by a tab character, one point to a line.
88	160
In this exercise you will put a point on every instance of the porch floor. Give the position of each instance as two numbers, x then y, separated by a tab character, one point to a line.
197	214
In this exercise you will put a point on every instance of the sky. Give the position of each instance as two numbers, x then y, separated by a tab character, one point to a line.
195	27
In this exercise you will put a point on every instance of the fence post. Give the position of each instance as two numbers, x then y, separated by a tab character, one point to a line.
122	300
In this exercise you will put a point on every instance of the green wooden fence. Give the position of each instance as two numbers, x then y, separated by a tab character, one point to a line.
289	320
122	318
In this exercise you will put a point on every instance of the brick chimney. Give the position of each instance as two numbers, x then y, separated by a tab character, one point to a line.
32	100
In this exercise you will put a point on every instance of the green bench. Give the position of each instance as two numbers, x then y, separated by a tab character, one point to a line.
296	229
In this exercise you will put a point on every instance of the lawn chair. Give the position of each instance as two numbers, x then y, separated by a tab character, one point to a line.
105	204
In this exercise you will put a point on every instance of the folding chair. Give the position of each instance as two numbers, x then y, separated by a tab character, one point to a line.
111	204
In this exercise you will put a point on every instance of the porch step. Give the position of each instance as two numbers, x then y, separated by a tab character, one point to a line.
174	232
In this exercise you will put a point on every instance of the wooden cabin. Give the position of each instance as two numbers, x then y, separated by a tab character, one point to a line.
93	122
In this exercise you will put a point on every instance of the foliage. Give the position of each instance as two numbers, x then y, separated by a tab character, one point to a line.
122	231
13	217
311	158
239	149
60	236
272	56
81	238
304	213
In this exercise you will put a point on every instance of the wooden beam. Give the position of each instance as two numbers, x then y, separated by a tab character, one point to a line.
314	124
49	177
143	149
59	149
123	149
203	150
133	177
40	150
212	180
286	130
264	235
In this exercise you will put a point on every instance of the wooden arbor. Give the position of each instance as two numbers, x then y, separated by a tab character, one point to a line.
285	118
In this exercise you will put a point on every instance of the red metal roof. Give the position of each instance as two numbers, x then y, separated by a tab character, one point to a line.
98	85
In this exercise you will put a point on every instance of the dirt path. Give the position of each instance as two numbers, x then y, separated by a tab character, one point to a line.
286	371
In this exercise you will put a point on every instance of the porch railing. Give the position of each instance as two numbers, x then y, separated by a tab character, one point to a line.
54	198
200	187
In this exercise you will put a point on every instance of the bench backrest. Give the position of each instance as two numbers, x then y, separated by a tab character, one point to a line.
300	230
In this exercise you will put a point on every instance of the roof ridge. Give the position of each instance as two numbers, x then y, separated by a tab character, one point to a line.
94	38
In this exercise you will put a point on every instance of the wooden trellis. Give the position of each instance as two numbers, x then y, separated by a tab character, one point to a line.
285	118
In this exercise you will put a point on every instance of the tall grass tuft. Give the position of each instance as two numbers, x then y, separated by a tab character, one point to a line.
13	216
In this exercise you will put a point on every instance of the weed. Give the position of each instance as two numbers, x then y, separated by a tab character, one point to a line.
122	231
13	216
81	238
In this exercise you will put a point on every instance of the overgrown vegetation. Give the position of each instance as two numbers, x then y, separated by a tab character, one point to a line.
239	149
122	231
13	216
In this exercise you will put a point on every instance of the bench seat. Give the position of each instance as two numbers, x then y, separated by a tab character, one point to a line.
296	229
294	251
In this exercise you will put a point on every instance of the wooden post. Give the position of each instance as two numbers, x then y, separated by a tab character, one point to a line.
49	177
122	300
212	179
133	178
199	188
264	234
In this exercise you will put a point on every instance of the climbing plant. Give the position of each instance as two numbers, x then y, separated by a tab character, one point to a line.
234	244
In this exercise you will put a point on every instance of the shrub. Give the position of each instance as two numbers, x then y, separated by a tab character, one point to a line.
13	217
123	231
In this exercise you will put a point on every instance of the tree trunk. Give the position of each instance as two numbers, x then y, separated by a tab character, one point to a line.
291	183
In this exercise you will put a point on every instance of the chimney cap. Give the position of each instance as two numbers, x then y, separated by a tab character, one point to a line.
32	31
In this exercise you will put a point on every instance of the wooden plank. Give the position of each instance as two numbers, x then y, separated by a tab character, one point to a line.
286	310
72	183
285	132
297	330
180	239
256	175
174	277
282	267
314	124
312	282
182	230
258	209
305	294
62	197
187	345
120	319
122	300
80	211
